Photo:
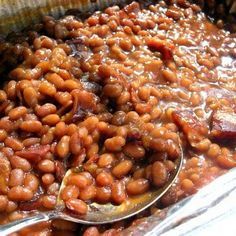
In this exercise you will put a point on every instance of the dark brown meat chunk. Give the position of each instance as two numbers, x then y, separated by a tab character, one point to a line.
60	170
223	125
34	154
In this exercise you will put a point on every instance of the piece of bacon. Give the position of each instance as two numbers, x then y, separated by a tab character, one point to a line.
34	154
223	125
60	170
31	205
84	103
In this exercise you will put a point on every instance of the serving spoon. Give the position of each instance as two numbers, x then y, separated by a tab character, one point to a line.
97	213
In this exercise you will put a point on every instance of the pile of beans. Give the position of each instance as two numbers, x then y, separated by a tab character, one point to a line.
116	94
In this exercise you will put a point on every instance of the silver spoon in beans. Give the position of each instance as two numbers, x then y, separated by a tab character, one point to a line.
122	200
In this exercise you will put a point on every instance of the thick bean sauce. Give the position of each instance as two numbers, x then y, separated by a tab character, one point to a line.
118	94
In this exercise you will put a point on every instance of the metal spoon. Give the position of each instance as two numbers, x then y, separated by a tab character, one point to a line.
97	213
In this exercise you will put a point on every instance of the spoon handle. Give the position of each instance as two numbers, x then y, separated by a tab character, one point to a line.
25	222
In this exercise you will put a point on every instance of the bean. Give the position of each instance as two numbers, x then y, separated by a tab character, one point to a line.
30	96
3	96
11	206
88	176
187	185
214	150
226	161
3	135
63	98
126	44
48	137
114	144
30	142
20	163
6	124
47	88
134	150
49	201
118	192
46	166
71	129
56	80
104	179
19	193
169	76
92	150
79	180
70	192
60	129
16	177
48	179
103	195
31	126
31	182
144	93
88	193
15	216
17	113
138	186
105	160
3	203
159	174
11	89
51	119
122	169
77	206
13	143
62	147
139	173
45	109
91	231
53	189
70	84
112	90
75	146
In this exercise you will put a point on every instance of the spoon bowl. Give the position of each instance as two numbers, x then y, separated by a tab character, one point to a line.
97	213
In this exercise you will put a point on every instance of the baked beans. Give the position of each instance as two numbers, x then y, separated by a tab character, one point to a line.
115	94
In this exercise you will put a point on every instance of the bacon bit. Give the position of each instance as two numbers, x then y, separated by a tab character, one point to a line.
34	154
165	48
31	205
84	102
60	170
79	159
195	129
223	125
